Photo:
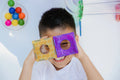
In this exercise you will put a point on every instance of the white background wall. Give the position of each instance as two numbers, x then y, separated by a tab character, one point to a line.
100	34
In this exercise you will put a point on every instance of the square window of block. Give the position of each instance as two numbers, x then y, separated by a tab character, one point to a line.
65	44
44	49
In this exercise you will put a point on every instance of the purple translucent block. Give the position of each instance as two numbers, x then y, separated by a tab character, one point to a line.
73	47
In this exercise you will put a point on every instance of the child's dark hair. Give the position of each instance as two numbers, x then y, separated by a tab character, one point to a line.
56	18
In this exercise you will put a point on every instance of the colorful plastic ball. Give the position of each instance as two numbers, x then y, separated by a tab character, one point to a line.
21	15
15	22
117	16
21	22
7	22
15	16
11	3
18	10
8	16
12	10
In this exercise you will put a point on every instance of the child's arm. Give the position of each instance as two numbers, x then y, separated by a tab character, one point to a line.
27	67
91	71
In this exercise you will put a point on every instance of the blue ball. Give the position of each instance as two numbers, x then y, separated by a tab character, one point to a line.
15	16
12	10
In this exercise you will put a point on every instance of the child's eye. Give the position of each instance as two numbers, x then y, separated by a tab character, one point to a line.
65	44
44	49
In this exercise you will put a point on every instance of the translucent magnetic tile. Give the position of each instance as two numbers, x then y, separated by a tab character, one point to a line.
38	54
71	50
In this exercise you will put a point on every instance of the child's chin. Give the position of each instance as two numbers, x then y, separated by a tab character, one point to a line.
60	67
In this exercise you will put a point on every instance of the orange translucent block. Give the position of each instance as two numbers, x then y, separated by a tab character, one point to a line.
39	55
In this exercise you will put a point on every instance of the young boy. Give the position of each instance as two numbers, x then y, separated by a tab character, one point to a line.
55	22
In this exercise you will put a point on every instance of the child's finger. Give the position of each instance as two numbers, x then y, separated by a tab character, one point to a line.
77	43
44	37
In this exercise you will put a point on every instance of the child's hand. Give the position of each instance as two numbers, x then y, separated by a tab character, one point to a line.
81	52
31	57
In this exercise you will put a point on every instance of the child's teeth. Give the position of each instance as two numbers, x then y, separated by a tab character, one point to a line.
59	58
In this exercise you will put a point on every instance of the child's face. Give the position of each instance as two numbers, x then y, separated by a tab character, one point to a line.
62	61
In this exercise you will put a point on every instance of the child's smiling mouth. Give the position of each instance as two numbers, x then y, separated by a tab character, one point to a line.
60	59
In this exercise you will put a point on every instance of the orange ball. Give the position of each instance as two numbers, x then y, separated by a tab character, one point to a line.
21	15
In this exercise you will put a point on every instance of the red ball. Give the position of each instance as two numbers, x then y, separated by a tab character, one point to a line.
18	10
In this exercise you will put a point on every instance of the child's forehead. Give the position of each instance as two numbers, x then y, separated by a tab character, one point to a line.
57	31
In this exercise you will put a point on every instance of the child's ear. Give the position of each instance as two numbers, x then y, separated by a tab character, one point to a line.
77	38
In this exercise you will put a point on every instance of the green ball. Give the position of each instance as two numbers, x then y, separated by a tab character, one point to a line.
21	22
11	3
